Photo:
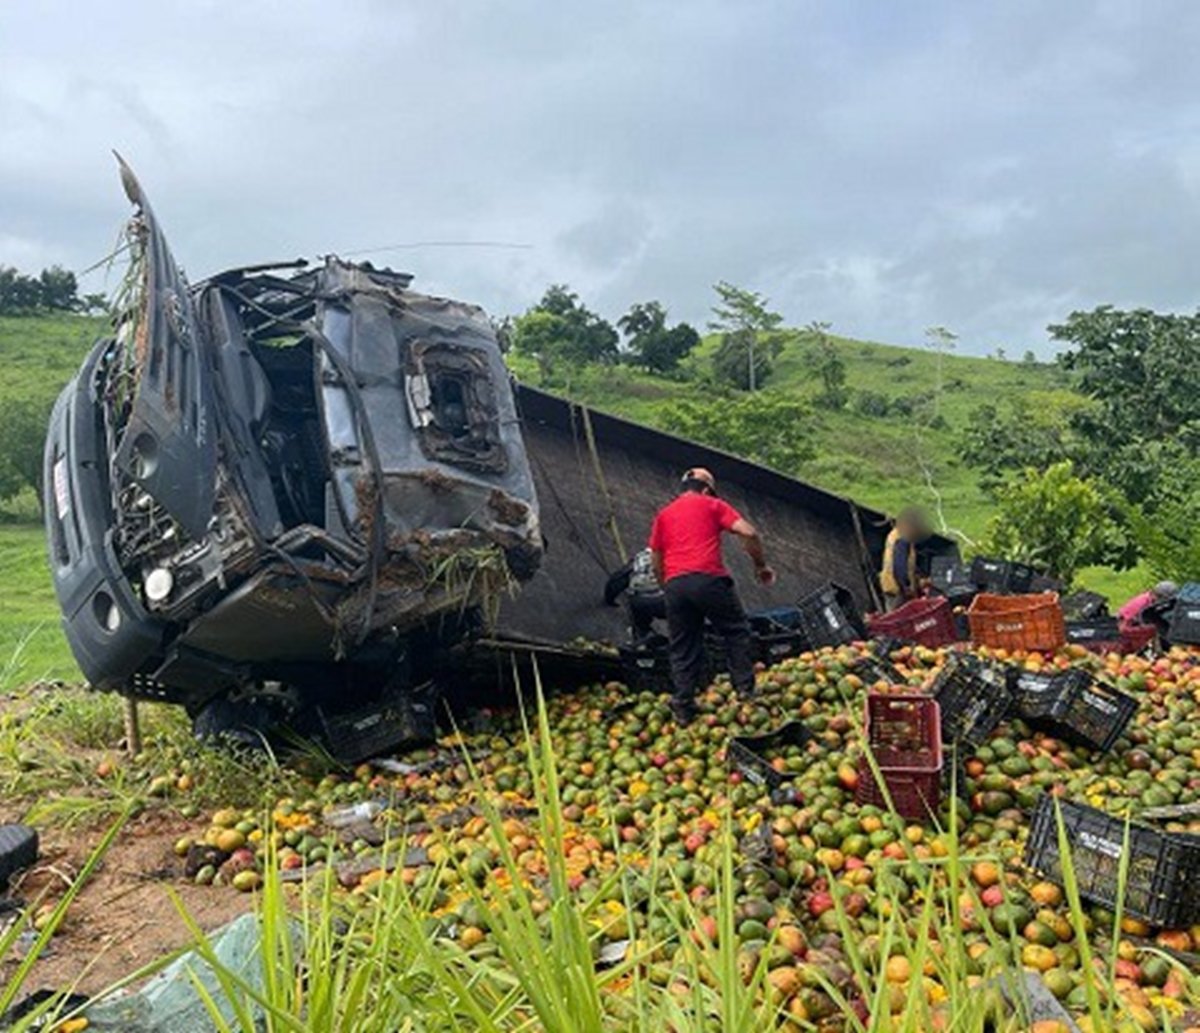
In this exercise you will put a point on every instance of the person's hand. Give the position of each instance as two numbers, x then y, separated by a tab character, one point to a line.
765	575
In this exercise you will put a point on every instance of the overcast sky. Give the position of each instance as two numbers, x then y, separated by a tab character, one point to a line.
883	166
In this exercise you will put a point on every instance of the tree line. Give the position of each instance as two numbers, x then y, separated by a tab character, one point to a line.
561	334
54	289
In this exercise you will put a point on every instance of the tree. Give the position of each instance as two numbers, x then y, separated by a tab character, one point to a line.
589	337
653	344
1029	359
540	335
1167	541
22	437
19	294
750	336
58	289
825	359
769	428
1057	522
1141	369
998	441
941	341
559	330
54	289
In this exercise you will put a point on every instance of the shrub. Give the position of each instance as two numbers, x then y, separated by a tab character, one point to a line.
766	427
1058	522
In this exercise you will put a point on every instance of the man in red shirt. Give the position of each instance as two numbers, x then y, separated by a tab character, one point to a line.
685	544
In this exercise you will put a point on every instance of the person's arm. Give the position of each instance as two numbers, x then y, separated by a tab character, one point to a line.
752	543
900	566
655	545
617	583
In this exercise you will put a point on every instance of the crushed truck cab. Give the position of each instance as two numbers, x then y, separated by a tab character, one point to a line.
283	485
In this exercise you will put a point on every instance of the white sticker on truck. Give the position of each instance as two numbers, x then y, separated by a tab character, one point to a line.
62	493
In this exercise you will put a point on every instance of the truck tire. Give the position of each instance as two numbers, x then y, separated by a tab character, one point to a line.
18	849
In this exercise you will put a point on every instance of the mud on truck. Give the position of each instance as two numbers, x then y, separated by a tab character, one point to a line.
275	497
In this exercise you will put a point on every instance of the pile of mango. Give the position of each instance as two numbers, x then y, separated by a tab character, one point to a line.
635	787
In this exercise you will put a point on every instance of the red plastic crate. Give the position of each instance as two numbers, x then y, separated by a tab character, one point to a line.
1133	640
903	732
928	622
1017	621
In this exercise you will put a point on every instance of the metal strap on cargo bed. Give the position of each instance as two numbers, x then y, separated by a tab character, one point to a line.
613	529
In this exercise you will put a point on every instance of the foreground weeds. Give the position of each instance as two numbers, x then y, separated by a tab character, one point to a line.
642	950
62	763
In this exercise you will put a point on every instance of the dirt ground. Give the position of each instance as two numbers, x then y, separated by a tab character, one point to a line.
123	918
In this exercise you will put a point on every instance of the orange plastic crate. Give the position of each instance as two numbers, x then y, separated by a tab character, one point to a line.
1017	621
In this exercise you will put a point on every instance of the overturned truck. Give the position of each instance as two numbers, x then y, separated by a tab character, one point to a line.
270	497
297	497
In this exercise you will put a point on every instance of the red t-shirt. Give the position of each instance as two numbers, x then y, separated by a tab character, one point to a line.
688	534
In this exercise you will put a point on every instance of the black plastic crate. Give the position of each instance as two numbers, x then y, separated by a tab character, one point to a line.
750	754
990	575
1001	577
1084	606
382	727
646	668
774	619
1074	706
1189	592
1045	583
1162	869
770	649
1097	629
951	577
973	696
777	634
1021	578
1093	713
872	669
1033	692
830	617
1185	616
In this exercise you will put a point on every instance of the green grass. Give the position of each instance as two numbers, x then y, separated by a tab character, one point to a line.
32	646
39	355
881	462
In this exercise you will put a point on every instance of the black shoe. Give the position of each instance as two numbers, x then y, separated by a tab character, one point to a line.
683	713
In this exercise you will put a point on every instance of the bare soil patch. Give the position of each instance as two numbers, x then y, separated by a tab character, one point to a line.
124	917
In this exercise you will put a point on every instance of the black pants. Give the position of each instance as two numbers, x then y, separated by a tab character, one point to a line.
644	609
691	598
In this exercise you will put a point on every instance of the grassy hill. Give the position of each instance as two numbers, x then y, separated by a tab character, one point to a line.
883	462
41	353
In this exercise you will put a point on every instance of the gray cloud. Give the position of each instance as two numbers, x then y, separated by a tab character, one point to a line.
881	166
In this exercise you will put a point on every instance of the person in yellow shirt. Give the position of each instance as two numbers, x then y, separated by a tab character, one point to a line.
898	578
